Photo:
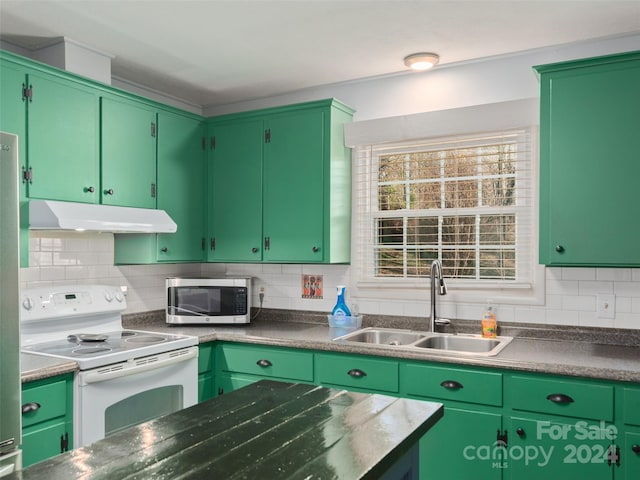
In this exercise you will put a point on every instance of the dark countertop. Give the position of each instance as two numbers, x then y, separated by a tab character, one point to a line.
599	353
269	430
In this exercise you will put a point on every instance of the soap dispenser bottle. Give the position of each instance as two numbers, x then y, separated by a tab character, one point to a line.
341	309
489	324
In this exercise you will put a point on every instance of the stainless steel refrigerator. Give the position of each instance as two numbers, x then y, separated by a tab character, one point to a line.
10	387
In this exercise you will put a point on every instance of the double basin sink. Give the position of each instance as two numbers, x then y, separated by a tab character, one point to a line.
464	344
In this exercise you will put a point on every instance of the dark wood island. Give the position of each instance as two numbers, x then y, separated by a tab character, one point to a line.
268	430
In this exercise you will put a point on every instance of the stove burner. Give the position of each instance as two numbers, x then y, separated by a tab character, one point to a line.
87	337
90	350
145	339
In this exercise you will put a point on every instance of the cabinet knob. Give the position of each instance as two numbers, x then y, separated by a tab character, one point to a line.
635	448
559	249
315	249
254	250
109	191
164	249
30	407
559	398
356	373
264	363
520	431
89	189
451	385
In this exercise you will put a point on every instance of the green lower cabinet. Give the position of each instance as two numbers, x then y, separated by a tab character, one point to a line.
462	445
357	372
629	456
47	418
206	371
547	447
228	382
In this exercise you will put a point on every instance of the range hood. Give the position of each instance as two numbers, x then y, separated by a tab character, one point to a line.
54	215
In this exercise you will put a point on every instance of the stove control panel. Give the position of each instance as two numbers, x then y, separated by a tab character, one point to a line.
70	301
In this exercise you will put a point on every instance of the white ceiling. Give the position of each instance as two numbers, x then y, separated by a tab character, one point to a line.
218	52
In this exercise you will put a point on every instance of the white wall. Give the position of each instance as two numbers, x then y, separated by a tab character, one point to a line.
570	295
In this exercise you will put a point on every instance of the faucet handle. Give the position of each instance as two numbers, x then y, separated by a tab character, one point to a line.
443	321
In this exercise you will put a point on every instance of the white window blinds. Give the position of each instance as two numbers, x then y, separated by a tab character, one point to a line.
466	200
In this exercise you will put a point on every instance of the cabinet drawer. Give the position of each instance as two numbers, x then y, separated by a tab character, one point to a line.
562	397
356	371
267	362
453	384
631	411
49	401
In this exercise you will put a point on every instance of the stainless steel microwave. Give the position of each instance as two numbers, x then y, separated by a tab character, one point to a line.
209	300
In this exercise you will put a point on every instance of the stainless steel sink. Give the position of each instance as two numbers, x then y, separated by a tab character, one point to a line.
460	343
383	336
443	343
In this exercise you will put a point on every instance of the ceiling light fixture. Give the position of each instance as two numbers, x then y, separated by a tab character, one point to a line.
421	61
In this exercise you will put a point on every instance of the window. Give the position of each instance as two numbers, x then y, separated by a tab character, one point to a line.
466	200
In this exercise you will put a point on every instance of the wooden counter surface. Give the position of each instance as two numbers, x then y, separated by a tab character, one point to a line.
267	430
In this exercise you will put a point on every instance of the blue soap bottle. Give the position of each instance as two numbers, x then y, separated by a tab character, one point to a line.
341	309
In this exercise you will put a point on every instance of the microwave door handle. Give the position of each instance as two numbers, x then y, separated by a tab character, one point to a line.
182	309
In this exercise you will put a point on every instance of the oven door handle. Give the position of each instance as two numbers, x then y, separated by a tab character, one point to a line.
136	366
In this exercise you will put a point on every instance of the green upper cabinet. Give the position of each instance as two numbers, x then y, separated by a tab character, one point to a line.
235	191
294	182
13	119
180	192
280	185
590	162
128	153
62	139
181	185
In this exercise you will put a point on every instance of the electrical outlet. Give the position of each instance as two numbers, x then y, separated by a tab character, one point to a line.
606	305
262	290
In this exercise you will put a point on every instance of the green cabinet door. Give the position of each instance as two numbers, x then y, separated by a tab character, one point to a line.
549	447
13	119
294	201
181	185
463	445
235	192
63	126
47	428
630	456
589	162
128	153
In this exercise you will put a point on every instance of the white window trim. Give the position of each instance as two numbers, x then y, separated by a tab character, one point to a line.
462	121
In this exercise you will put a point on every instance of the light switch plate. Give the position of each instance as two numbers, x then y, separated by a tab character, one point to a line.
606	305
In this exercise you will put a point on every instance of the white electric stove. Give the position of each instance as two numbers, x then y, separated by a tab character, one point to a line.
125	376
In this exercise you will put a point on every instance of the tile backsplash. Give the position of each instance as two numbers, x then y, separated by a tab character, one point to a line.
58	258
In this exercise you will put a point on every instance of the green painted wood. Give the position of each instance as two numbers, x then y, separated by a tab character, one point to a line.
62	140
437	382
235	192
455	448
265	361
631	412
589	162
590	400
43	428
128	153
42	441
181	186
294	205
367	373
299	209
630	459
50	395
13	119
552	454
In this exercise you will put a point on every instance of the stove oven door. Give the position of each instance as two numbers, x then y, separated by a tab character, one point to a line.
114	397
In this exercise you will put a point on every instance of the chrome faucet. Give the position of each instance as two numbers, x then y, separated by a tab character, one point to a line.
436	276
